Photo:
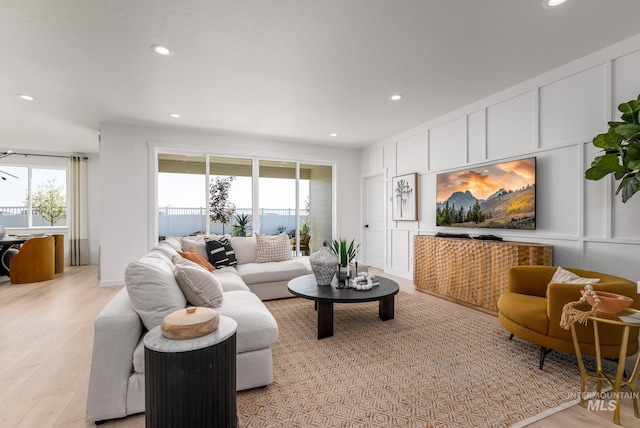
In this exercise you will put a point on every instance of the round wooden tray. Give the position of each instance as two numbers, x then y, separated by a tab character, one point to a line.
190	323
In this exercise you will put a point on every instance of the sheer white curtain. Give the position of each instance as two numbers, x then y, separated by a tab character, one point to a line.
78	229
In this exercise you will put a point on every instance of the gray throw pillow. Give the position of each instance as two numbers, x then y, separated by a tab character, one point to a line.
199	286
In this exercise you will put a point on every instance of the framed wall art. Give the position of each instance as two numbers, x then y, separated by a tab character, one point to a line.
405	197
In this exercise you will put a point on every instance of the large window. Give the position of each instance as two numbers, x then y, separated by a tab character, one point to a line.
32	197
233	214
182	199
215	194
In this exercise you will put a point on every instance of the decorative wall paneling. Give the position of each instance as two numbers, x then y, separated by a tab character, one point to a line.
553	117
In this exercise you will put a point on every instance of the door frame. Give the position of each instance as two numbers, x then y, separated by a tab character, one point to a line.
363	181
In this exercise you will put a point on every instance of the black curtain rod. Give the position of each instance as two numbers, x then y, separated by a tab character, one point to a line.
46	156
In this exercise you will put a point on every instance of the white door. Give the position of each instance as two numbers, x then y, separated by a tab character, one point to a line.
373	221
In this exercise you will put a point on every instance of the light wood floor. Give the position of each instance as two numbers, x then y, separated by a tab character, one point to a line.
46	336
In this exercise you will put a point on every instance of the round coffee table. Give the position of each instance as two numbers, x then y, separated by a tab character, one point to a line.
326	295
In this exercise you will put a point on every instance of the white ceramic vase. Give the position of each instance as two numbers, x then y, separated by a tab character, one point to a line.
323	263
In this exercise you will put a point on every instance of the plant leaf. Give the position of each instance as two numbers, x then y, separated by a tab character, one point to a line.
628	186
625	108
628	130
602	166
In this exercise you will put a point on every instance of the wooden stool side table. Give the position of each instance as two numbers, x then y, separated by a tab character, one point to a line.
192	382
600	376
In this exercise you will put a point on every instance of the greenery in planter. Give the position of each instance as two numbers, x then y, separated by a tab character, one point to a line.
345	252
621	146
242	223
305	228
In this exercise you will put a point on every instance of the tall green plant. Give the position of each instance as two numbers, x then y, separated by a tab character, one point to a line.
242	223
621	146
345	252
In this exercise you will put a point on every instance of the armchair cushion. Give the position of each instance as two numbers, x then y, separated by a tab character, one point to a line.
527	311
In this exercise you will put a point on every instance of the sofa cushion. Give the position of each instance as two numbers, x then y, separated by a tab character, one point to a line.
220	252
256	273
272	248
229	279
257	328
245	248
152	288
174	243
166	249
199	286
138	357
196	258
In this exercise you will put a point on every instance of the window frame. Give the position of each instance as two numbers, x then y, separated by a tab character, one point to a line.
30	166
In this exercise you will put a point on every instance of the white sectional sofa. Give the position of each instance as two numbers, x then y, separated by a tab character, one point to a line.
116	385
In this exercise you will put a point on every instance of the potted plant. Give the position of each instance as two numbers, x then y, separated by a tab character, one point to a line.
346	252
242	223
621	146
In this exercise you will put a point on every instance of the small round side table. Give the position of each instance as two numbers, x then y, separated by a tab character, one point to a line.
191	382
628	318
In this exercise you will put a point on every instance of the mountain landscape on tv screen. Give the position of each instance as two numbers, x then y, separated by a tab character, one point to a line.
495	196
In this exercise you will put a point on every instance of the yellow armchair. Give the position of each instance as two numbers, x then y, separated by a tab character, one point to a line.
34	262
532	307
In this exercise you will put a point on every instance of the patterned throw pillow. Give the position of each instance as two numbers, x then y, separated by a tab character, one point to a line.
197	258
273	248
563	276
220	252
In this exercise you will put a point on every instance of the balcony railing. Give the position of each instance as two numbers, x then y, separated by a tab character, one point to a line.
19	217
175	221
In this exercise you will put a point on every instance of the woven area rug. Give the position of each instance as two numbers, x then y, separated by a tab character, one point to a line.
434	365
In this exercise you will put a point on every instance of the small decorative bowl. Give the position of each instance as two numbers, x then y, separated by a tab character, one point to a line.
610	303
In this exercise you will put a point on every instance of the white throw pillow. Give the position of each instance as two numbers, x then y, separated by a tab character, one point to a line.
199	286
273	248
563	276
153	290
245	248
195	243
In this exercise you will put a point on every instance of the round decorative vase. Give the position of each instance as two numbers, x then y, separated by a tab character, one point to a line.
323	263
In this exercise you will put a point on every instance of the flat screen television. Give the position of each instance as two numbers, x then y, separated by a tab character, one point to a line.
500	195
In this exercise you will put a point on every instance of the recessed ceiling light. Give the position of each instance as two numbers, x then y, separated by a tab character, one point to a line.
333	135
552	3
396	97
161	50
26	97
174	115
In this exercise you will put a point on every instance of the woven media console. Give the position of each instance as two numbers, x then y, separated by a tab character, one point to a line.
471	271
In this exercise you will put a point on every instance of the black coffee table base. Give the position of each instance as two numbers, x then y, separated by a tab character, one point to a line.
325	315
325	296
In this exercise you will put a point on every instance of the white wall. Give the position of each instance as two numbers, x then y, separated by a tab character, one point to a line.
127	186
553	117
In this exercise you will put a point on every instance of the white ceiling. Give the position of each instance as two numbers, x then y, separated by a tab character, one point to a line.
295	70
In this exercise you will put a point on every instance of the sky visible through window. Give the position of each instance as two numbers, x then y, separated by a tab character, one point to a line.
186	191
13	192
